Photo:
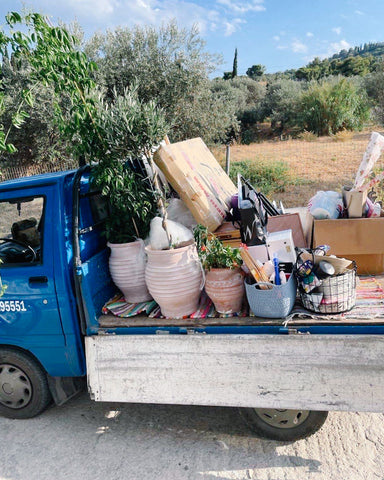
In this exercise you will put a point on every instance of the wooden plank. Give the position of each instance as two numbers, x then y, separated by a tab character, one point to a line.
314	372
111	321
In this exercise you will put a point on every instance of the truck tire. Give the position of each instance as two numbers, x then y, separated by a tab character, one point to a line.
24	391
283	425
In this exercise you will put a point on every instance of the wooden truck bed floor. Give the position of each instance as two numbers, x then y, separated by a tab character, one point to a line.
111	321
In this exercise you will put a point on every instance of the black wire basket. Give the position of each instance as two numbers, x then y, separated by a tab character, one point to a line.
336	294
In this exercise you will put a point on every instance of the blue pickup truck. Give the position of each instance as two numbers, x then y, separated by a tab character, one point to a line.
55	278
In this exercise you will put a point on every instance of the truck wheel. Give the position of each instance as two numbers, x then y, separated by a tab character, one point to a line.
283	425
24	391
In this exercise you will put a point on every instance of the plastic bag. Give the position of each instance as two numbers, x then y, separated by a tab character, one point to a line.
252	214
326	205
158	240
179	212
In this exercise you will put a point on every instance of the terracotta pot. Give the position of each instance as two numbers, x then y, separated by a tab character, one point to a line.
127	267
175	280
225	287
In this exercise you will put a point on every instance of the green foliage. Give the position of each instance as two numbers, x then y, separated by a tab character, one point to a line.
130	128
256	71
170	66
328	107
108	131
39	140
234	69
268	177
212	252
374	86
281	103
131	199
349	67
242	97
52	57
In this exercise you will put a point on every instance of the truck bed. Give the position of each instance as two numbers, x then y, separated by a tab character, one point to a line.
310	372
111	321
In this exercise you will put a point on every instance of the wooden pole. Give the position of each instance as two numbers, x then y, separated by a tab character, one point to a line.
227	159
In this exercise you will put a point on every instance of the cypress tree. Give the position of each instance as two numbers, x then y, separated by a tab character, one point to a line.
234	69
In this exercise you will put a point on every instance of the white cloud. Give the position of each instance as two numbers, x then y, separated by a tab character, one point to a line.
243	7
299	47
330	49
359	12
94	7
309	34
232	26
282	47
337	30
111	13
276	38
337	46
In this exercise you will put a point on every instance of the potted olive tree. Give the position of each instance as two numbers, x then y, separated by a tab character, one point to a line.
224	281
131	128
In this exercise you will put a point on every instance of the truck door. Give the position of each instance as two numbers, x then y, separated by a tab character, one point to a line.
29	315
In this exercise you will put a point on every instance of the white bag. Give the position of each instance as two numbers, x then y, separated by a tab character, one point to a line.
178	212
158	237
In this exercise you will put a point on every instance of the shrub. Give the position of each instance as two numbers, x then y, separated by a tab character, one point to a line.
307	136
269	177
342	136
332	105
170	66
281	103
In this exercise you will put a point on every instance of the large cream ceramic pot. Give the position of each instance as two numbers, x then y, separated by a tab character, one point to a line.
127	267
175	279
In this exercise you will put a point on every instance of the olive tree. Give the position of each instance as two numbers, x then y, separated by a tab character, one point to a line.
170	66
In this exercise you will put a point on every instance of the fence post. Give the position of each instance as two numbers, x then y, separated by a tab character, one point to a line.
227	159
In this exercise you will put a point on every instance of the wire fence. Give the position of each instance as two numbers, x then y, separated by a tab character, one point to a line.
12	172
311	164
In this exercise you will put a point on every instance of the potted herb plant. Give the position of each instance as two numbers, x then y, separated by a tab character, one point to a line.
224	281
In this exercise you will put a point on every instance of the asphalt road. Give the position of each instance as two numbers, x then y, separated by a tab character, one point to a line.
83	440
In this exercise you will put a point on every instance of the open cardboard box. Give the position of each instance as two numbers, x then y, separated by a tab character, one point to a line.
359	239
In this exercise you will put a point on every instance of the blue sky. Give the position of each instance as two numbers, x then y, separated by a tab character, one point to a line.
279	34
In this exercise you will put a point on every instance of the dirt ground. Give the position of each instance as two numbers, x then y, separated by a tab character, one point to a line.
95	441
322	164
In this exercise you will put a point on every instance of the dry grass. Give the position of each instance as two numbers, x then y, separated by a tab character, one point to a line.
320	165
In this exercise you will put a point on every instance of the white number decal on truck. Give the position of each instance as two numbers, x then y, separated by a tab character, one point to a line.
12	306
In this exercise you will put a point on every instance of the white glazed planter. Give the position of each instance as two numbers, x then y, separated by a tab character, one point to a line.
127	267
175	280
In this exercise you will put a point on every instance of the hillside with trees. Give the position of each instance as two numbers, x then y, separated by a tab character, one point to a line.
325	97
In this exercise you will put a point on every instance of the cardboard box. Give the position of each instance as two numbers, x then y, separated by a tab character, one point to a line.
288	221
198	178
359	239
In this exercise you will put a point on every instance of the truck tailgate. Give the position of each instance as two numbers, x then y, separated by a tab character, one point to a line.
312	372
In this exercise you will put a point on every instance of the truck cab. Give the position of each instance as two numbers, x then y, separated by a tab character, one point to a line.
39	311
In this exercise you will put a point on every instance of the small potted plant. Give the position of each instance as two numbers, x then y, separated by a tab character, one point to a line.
224	282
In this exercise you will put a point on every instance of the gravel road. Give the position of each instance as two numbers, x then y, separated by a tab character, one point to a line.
83	440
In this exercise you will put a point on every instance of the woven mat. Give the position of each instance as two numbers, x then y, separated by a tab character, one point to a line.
120	308
369	304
